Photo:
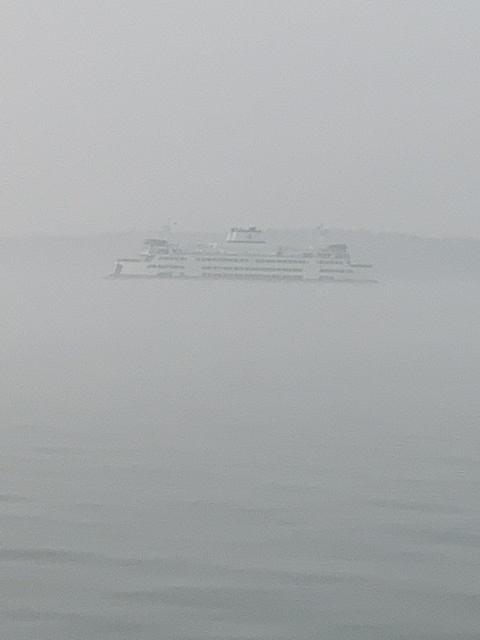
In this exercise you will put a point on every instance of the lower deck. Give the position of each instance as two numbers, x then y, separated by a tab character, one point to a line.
244	267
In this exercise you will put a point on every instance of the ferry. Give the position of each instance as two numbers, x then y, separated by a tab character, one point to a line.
245	255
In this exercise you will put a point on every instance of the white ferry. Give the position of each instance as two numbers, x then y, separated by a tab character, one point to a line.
246	256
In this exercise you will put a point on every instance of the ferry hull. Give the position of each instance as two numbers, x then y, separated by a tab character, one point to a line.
217	276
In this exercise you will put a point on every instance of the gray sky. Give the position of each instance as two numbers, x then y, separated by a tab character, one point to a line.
118	115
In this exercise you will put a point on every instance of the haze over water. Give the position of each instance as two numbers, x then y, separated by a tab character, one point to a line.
230	460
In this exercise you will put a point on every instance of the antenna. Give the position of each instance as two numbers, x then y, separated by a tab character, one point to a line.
168	228
322	232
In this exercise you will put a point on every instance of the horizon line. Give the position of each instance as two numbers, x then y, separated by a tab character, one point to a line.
103	234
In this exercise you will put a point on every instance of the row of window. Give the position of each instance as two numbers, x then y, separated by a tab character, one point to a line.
268	260
218	259
169	257
290	270
252	276
255	269
277	260
236	260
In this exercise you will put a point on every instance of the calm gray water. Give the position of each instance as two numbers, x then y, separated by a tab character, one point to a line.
238	460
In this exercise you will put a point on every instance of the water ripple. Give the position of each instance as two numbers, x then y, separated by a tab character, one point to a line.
84	622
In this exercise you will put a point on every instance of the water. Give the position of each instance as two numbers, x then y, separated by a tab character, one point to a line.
238	460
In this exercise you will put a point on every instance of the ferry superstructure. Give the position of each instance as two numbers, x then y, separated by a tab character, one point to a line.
244	256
